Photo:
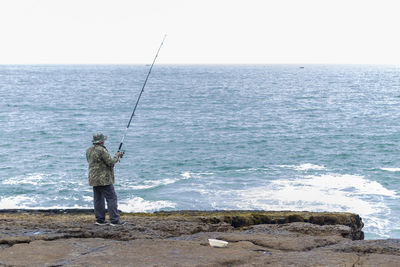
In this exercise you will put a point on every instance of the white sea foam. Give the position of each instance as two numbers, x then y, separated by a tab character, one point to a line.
186	175
148	184
57	207
253	170
33	179
304	167
25	202
138	204
15	202
328	192
391	169
88	199
195	175
354	183
152	184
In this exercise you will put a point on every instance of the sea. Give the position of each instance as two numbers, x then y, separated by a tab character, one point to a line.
207	137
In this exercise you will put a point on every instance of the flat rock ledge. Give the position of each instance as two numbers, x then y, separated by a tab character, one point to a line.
180	238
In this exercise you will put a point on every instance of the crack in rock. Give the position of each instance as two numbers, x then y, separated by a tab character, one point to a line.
89	250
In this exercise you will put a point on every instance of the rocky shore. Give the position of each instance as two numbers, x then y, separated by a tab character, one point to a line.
255	238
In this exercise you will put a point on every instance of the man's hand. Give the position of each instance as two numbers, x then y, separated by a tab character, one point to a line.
118	154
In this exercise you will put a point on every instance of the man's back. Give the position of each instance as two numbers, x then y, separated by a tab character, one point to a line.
101	166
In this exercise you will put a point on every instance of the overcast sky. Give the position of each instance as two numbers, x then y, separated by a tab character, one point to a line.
203	31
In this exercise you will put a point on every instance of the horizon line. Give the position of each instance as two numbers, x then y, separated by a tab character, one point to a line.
189	64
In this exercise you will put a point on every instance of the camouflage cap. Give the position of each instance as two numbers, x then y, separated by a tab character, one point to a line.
98	138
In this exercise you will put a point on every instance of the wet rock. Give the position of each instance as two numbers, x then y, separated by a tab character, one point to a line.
157	252
389	247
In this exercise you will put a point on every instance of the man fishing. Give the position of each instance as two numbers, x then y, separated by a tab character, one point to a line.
101	177
101	169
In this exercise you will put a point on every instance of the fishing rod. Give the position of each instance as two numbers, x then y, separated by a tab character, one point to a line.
137	101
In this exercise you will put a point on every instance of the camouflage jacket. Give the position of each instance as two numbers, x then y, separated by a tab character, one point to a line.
101	165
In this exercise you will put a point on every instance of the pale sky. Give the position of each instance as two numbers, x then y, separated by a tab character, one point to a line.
200	32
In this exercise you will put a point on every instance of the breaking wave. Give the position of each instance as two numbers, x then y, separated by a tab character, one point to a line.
138	204
327	192
391	169
304	167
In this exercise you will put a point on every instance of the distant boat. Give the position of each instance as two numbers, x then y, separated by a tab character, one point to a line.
301	67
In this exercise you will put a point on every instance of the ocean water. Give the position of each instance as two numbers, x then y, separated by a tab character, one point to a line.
270	137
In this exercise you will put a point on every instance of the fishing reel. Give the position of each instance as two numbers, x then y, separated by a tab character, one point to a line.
122	153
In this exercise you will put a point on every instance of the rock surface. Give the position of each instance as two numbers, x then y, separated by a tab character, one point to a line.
256	238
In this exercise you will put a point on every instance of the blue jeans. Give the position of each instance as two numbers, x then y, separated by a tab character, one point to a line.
99	194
